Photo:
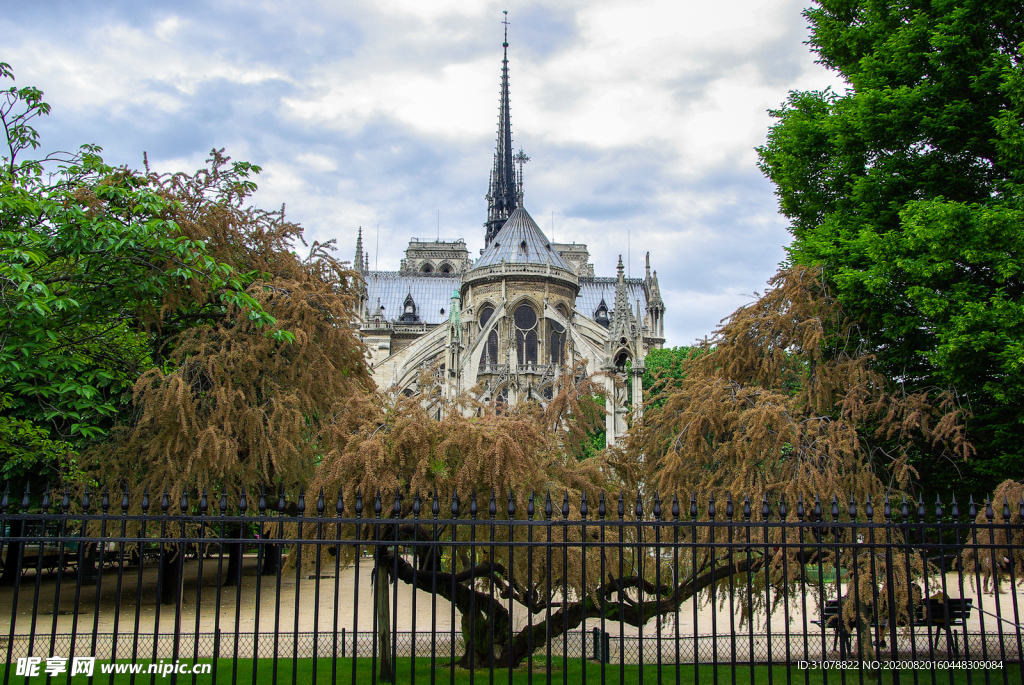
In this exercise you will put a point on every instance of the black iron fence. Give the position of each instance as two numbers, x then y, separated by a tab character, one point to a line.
264	588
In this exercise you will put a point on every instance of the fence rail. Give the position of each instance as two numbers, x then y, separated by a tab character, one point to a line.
411	589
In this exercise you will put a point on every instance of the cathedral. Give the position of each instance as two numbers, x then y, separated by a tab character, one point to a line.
507	324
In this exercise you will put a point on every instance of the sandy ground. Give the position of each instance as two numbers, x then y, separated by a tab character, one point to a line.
295	609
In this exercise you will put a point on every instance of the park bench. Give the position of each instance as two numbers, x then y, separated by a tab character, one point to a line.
830	618
944	614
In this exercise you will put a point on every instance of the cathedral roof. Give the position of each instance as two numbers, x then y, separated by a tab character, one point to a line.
520	241
432	294
593	290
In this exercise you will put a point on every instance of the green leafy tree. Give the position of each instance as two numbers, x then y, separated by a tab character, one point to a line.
907	191
96	278
661	366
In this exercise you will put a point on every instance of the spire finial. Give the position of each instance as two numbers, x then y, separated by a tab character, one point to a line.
505	22
520	158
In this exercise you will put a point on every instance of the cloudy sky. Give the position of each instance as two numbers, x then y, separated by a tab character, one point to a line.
641	118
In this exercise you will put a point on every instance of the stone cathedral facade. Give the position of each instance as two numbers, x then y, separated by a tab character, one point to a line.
507	324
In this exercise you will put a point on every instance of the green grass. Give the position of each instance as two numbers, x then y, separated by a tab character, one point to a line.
573	674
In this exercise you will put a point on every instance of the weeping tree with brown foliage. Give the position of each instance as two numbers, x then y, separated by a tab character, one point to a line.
233	402
780	407
782	400
473	456
996	551
236	401
774	408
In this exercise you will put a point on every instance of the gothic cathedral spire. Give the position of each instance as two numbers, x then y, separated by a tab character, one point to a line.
501	195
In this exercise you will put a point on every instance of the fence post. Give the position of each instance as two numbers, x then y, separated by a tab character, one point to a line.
602	646
342	643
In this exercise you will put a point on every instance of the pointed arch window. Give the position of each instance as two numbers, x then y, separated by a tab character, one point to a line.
490	354
557	340
485	315
525	319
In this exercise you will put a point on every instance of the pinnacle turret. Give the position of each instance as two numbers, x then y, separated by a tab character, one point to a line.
359	262
621	316
501	195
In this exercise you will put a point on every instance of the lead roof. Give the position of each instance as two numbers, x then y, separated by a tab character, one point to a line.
432	293
520	241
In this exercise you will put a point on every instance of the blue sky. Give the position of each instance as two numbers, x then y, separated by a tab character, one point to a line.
640	118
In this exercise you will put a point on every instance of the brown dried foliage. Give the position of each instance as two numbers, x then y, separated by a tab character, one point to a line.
995	552
392	441
230	406
780	400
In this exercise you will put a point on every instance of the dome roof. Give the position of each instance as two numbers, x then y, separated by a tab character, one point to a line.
520	241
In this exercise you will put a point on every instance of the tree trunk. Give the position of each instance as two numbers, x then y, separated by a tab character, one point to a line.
234	574
87	561
11	565
476	636
387	673
171	571
271	558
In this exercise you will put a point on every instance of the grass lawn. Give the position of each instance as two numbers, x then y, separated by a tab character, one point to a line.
573	674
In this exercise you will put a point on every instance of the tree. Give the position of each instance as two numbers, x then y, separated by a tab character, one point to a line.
784	404
158	331
95	277
391	443
237	403
774	404
784	399
907	191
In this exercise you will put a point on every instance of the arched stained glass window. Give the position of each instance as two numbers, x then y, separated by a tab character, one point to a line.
525	317
526	334
485	314
490	354
501	401
526	347
557	349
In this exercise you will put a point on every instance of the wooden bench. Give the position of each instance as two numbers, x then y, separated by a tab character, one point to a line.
944	614
831	618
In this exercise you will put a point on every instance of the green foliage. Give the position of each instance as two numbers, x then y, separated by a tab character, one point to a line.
596	439
95	276
907	191
662	367
663	364
26	449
